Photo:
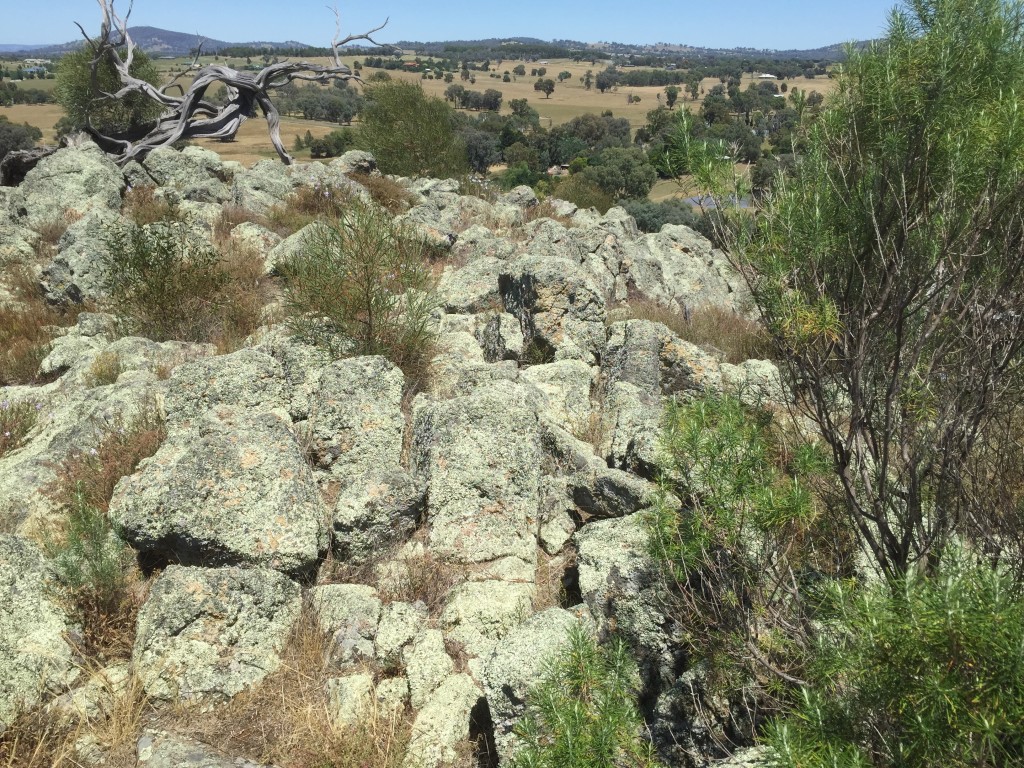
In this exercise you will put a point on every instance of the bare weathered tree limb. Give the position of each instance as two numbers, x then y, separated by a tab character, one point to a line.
189	115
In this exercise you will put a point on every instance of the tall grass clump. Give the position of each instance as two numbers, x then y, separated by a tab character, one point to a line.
27	328
362	285
16	421
583	713
926	671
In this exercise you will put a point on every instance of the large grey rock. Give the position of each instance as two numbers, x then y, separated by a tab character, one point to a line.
657	361
262	187
376	511
756	382
608	492
500	336
558	305
349	613
516	665
479	614
76	179
356	422
290	247
566	386
472	288
350	699
234	488
248	379
209	634
479	242
443	724
633	426
71	420
480	455
399	624
427	665
302	365
194	173
35	658
161	749
355	161
77	273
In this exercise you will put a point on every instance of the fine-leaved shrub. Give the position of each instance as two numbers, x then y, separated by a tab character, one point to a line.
751	534
362	285
584	713
927	671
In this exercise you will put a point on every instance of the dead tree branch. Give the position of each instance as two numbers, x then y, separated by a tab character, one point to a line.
189	115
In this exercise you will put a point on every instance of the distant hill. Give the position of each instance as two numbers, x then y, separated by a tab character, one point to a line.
163	42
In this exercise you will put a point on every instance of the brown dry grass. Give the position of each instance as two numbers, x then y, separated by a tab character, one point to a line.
104	369
26	328
142	206
42	739
284	720
388	194
715	329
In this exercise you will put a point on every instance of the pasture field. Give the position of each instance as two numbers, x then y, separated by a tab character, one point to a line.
568	100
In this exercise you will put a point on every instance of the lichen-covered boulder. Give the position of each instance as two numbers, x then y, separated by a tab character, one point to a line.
356	422
443	724
248	379
350	699
657	361
516	664
471	288
632	424
262	187
349	613
478	614
35	657
566	386
194	173
76	179
427	665
78	271
500	336
604	493
233	488
558	305
480	455
211	633
161	749
399	624
355	161
377	510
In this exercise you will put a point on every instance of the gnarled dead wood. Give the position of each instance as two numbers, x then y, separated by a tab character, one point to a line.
189	115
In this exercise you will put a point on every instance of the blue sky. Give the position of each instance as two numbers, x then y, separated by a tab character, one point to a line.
713	23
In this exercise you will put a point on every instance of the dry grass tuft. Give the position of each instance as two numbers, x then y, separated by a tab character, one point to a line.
233	215
26	329
50	234
551	592
104	370
545	210
388	194
285	719
48	739
713	328
143	206
422	577
307	204
16	421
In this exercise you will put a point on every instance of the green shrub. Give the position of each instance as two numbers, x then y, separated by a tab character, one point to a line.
651	216
583	714
749	536
362	285
163	279
583	193
924	672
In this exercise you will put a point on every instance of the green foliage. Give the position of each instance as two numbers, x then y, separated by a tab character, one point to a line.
621	172
889	263
584	193
583	714
924	672
334	144
363	286
750	523
164	279
14	137
410	133
651	216
83	101
90	561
